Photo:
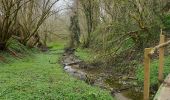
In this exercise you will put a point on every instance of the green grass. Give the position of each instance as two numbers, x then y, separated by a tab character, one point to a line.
154	71
84	54
34	78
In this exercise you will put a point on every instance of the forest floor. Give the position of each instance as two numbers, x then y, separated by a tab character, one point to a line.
39	76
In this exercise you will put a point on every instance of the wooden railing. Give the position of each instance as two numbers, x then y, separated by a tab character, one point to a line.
147	59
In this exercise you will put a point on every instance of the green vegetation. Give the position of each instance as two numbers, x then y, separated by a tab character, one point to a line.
34	78
85	54
108	35
16	51
166	21
154	71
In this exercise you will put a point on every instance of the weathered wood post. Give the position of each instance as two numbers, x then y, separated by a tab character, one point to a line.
161	60
147	59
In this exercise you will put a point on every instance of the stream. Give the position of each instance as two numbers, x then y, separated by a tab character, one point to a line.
121	87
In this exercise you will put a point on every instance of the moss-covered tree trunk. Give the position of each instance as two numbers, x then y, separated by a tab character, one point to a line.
91	10
75	31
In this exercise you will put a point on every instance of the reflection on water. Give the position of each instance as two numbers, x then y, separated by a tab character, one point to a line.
129	92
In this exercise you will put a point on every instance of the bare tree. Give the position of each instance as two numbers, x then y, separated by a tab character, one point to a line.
91	11
32	17
8	18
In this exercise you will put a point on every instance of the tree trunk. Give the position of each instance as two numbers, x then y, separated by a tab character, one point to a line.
45	39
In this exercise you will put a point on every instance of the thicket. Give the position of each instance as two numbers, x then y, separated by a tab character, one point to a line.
117	29
21	19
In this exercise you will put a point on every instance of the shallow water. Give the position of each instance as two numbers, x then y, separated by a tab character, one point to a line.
121	89
128	92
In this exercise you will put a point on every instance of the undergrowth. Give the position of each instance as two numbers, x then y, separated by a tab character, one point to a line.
153	72
16	51
85	54
33	77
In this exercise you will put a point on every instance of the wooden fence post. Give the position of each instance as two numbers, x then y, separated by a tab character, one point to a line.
147	59
161	60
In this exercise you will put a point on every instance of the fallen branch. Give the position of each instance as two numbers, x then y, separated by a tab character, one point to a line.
159	46
72	63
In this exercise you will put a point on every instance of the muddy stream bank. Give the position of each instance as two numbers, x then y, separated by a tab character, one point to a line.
120	86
